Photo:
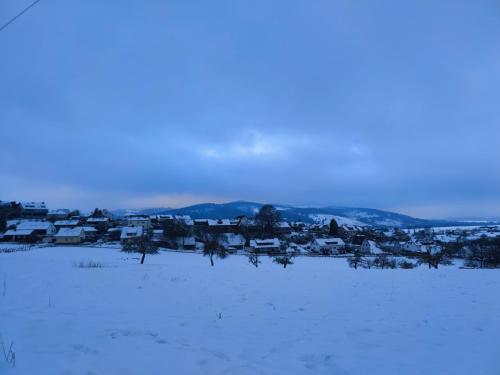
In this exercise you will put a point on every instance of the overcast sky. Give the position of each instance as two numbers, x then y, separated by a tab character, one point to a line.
385	104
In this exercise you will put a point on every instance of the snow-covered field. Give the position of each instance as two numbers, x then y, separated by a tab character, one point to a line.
177	315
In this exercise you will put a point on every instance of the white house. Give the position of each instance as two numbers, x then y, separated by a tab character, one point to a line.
139	221
34	209
128	233
332	245
271	244
69	235
59	214
371	247
22	235
232	241
40	228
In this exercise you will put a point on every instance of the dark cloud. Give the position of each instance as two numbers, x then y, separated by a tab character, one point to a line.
386	104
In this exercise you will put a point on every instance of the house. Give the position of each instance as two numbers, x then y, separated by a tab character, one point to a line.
39	228
221	226
113	234
283	228
21	235
187	243
332	245
157	235
356	242
265	245
90	233
164	218
59	214
371	247
431	249
69	235
411	247
136	221
99	223
232	241
129	233
184	218
33	209
66	223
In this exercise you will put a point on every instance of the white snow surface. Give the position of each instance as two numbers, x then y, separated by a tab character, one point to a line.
324	219
317	316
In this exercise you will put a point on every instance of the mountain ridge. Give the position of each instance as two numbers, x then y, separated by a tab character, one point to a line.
367	216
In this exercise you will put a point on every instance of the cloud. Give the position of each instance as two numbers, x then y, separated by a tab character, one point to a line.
326	103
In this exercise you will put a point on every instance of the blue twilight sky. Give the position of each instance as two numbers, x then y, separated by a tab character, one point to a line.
385	104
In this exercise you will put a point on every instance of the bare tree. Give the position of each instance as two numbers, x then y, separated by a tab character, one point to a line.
253	258
356	260
284	260
212	247
142	245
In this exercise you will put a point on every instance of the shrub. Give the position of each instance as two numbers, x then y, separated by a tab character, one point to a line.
88	264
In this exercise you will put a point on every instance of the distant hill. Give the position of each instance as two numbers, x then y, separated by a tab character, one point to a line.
343	215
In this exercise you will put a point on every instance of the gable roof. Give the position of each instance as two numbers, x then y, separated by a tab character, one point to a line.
70	232
329	241
33	205
130	232
35	225
20	232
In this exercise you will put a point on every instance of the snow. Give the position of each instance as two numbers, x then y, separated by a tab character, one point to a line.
324	219
329	241
33	205
18	232
130	232
374	248
67	222
35	225
177	315
69	232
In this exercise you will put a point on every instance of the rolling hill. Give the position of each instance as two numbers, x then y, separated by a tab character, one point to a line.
344	215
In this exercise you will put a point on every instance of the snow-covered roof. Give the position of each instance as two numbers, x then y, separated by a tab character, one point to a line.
219	222
164	217
232	240
374	248
89	229
34	225
33	205
138	218
329	241
130	232
66	222
97	219
271	242
69	232
13	222
59	211
283	224
18	232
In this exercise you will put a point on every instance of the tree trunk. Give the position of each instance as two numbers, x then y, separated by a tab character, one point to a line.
212	260
143	256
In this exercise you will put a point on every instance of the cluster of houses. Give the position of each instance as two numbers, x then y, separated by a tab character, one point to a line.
32	222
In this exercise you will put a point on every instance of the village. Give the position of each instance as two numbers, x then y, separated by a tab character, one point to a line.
265	234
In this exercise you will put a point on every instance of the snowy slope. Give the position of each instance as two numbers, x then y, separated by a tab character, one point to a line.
324	219
315	317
